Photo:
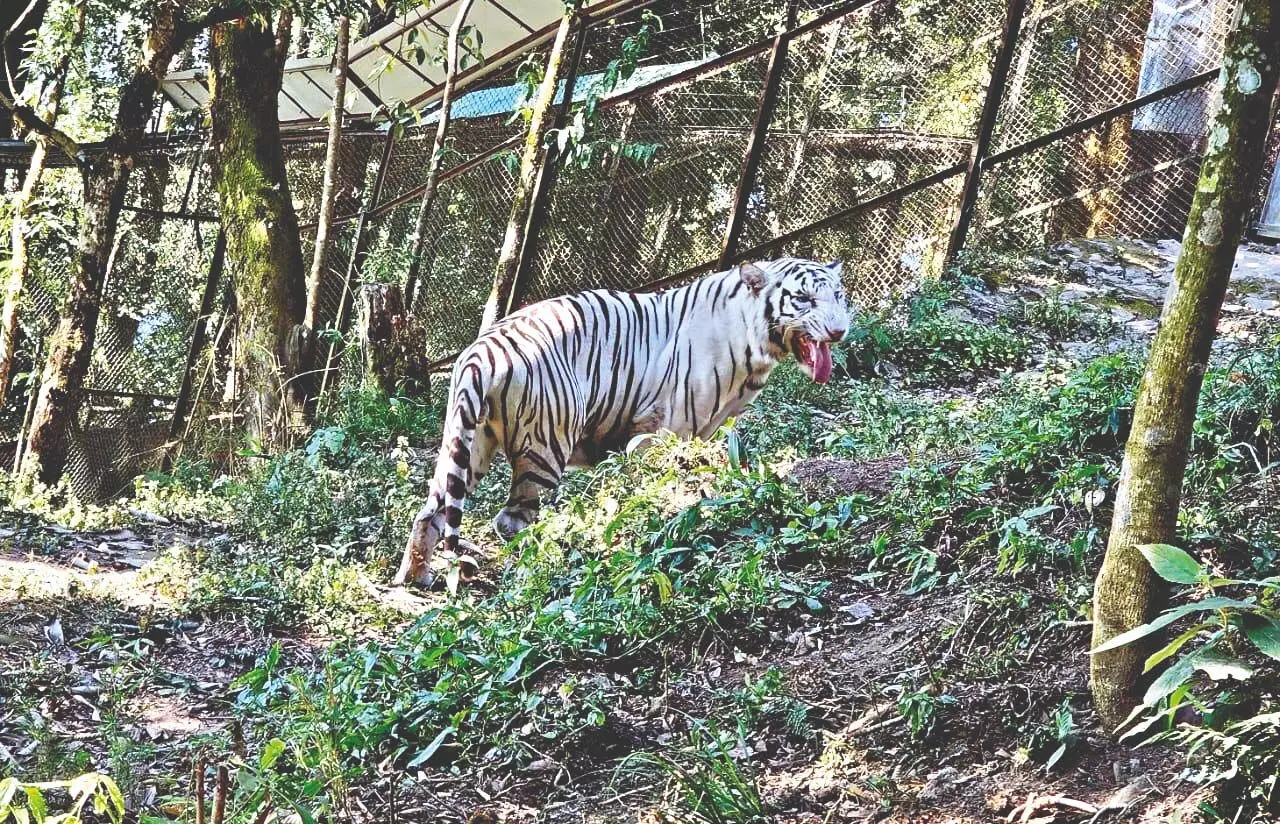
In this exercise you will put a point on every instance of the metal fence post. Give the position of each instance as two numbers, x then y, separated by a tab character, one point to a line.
545	178
986	127
759	136
199	336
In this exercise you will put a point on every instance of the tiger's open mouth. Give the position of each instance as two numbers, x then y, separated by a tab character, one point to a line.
814	354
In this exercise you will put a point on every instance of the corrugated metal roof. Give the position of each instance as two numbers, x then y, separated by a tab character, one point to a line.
379	69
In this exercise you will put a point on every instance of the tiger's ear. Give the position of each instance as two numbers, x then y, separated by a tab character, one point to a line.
753	276
836	268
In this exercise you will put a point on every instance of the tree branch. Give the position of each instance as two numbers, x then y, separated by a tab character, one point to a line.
284	35
189	28
28	117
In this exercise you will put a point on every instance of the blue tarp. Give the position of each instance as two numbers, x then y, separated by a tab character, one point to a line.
504	100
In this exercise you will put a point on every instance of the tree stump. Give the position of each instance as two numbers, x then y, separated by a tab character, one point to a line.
385	337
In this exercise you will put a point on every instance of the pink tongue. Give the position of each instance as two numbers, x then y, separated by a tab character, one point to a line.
821	362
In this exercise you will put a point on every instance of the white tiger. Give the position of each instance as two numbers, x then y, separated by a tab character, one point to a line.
564	381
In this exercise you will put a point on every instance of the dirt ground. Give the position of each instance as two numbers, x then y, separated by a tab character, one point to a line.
848	669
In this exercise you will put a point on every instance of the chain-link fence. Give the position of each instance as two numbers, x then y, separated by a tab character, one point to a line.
856	133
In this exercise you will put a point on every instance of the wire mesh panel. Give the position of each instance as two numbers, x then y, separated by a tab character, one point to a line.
872	101
621	221
1107	181
1080	58
463	238
50	257
481	118
889	248
1131	175
147	310
304	155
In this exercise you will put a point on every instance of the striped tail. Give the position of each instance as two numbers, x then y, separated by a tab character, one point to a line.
441	516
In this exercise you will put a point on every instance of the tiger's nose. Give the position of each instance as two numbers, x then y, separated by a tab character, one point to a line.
837	335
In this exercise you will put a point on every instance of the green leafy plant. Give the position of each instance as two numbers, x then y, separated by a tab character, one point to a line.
933	340
920	709
1234	740
1222	624
711	786
575	141
1051	743
27	803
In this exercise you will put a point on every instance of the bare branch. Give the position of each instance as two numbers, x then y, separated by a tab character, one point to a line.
4	47
28	117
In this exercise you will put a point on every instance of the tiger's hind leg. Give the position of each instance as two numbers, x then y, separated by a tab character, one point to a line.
532	473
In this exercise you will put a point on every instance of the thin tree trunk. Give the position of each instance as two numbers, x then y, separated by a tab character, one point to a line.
1127	593
327	190
437	151
509	258
106	182
264	255
19	261
623	207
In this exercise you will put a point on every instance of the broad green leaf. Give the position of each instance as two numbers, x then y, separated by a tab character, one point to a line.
1264	632
1171	563
81	786
270	754
734	446
432	747
1173	646
8	789
664	585
304	815
1057	756
116	797
1219	666
513	669
35	803
1167	618
1169	680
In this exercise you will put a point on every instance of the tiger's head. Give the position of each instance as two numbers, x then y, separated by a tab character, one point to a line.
805	308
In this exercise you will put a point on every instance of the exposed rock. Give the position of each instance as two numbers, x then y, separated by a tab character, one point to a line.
833	477
940	784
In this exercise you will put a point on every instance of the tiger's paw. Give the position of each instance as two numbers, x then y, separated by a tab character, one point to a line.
510	522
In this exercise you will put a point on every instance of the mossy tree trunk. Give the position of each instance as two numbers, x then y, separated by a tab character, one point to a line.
106	180
1127	594
19	260
264	255
387	338
500	296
